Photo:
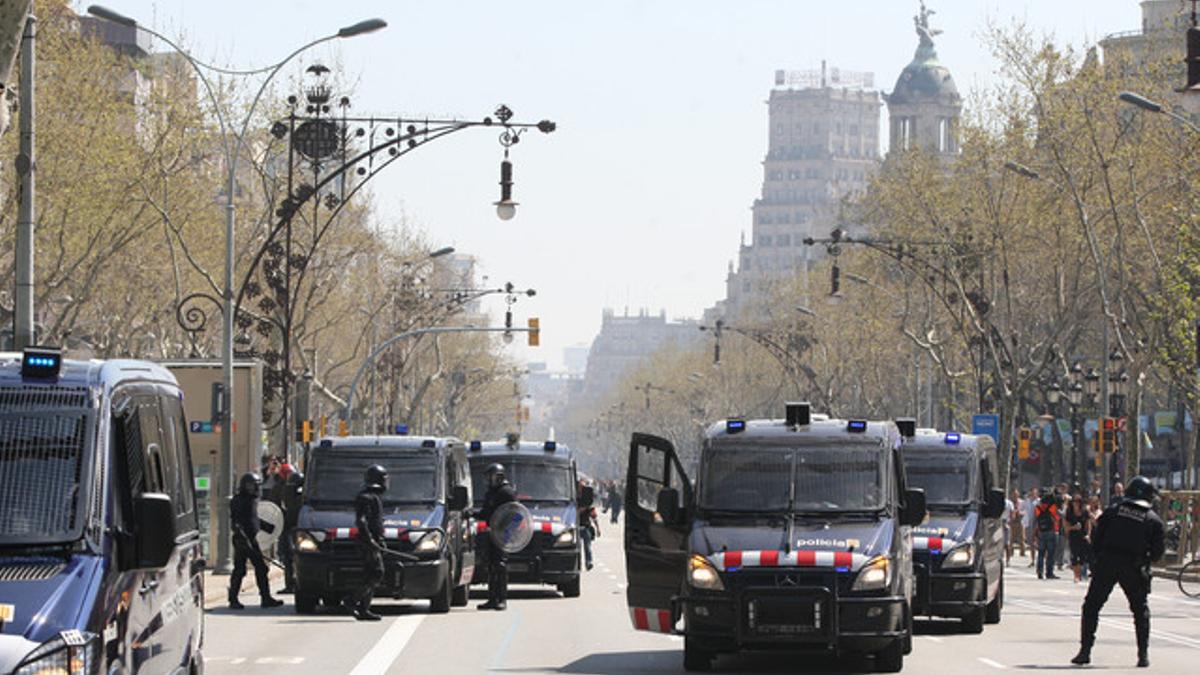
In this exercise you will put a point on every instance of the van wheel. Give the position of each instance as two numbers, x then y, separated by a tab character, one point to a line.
891	659
570	587
696	659
993	608
440	603
306	603
973	622
462	595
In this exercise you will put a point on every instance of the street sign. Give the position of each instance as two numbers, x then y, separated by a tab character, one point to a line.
202	483
986	425
199	427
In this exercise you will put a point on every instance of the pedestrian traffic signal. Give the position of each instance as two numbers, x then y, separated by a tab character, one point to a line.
534	332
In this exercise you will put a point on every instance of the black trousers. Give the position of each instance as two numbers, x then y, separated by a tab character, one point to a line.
372	575
248	552
1106	574
497	568
285	557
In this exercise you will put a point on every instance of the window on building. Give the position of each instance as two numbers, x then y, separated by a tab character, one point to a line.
783	240
746	264
764	240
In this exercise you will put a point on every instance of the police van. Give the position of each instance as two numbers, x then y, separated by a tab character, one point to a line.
100	559
794	536
424	518
544	476
958	554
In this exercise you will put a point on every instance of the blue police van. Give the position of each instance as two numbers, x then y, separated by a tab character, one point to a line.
545	478
958	553
100	558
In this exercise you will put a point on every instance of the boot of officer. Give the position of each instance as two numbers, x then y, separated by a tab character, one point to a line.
499	491
1128	537
243	514
368	518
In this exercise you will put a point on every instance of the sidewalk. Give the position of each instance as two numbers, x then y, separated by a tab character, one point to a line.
216	586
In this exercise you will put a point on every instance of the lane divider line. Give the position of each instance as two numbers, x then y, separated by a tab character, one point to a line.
502	650
379	659
1119	625
988	662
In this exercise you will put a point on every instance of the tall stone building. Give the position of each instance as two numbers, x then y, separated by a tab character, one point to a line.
1161	41
924	107
823	144
628	341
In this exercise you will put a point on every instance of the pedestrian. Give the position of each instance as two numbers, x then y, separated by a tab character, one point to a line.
1076	523
243	516
1118	494
1062	498
499	491
1009	509
1128	537
1016	524
293	494
589	527
616	502
1030	524
368	519
1048	525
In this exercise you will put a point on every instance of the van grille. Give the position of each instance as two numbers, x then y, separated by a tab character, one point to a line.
30	571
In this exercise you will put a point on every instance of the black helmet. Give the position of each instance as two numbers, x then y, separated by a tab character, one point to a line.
295	479
376	477
250	484
1141	489
494	473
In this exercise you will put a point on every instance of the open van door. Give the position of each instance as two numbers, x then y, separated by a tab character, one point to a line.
658	507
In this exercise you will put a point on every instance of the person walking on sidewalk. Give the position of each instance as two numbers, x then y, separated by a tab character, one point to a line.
1048	526
1016	524
1077	523
243	516
1030	524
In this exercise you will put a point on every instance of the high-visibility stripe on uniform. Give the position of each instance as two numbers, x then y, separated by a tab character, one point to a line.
654	620
841	560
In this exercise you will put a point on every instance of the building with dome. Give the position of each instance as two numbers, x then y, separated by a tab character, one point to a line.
924	107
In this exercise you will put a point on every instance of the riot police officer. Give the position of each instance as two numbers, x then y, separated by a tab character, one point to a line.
243	514
499	491
1127	538
290	499
368	518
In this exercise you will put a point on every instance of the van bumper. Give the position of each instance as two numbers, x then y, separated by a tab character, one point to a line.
859	624
335	575
948	594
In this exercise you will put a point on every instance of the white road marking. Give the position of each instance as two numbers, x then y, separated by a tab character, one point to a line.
1119	625
989	662
286	660
389	646
932	638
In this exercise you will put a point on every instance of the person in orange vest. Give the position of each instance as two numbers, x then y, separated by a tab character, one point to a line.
1048	521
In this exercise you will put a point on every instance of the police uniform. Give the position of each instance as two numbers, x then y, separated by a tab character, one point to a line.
368	518
293	493
243	512
495	558
1127	538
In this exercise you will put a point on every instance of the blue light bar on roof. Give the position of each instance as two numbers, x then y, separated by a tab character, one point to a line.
476	446
401	429
856	426
550	446
43	363
953	437
326	443
735	426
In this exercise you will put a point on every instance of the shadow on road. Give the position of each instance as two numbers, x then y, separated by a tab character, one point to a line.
521	594
671	661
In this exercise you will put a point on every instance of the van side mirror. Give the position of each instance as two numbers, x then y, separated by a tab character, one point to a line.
459	499
913	512
668	505
994	507
587	496
153	530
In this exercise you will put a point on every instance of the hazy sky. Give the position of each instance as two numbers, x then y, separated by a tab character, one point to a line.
640	197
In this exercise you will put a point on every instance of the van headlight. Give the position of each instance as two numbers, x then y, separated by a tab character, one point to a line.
430	543
875	575
702	574
306	542
959	557
71	653
567	538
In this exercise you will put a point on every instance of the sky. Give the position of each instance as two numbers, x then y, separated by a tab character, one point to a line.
640	197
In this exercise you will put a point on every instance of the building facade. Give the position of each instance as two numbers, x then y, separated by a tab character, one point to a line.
626	342
924	107
823	145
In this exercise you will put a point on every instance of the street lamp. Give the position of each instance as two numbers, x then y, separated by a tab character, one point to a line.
231	149
1139	101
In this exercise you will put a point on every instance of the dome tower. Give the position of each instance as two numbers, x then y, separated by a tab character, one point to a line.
924	107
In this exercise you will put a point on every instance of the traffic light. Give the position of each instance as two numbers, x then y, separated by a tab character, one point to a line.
324	427
835	279
1024	435
343	428
304	431
535	332
1193	57
1108	434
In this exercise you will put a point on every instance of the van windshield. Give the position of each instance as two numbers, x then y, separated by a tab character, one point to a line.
799	480
338	476
534	480
43	465
945	476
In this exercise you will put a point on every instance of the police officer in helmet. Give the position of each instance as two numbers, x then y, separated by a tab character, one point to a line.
499	491
1127	538
368	518
243	514
291	496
